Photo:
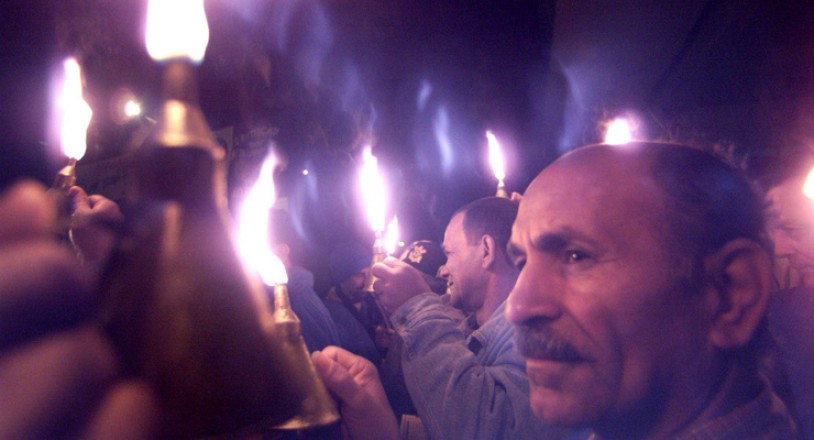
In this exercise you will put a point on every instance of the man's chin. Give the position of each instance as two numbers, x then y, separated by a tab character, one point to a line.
555	409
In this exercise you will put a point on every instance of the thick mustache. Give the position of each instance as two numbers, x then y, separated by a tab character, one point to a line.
537	341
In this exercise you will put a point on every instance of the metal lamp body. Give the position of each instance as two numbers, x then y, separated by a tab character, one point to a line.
180	306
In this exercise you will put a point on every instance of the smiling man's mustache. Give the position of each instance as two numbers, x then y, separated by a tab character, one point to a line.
535	340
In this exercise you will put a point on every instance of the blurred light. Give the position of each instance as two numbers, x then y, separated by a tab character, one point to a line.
391	236
618	132
253	241
808	186
74	113
132	108
305	171
496	157
373	192
176	29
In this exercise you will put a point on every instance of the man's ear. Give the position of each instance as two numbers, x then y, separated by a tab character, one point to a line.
488	251
738	284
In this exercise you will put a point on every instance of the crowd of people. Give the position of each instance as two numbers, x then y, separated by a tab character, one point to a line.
628	293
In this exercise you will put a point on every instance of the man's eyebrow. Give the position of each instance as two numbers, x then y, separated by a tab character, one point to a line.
556	240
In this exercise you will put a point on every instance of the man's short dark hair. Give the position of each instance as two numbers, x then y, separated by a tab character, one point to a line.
491	216
711	202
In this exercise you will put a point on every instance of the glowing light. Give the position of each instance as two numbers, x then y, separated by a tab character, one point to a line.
74	113
176	29
132	108
808	186
305	171
619	132
253	232
373	192
496	157
391	236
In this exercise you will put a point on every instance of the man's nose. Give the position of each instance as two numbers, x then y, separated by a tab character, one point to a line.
534	297
443	272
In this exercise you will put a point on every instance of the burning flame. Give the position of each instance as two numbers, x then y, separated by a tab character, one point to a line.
176	29
808	186
391	236
75	113
619	132
373	192
496	157
253	232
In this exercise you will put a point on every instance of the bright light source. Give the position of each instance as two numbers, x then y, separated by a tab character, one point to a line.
808	186
176	29
619	132
305	171
253	231
373	192
391	236
75	113
132	109
496	157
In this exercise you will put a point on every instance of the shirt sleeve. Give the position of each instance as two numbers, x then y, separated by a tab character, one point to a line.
460	393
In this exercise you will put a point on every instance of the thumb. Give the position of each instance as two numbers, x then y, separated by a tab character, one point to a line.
79	198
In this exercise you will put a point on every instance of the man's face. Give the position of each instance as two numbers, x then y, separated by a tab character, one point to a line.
354	286
463	269
792	227
607	335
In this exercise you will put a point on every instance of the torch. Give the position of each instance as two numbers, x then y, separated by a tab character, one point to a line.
253	241
373	191
182	309
74	118
498	164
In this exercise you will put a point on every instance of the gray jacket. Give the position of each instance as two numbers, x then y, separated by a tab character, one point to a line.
465	384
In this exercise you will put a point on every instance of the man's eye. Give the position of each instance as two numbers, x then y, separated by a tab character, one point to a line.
572	256
520	263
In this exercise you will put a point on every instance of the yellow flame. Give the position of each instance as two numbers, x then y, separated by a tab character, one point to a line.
74	113
619	132
373	192
391	236
496	157
253	229
808	186
176	29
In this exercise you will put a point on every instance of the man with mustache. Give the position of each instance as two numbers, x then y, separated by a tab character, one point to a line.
464	377
644	278
791	223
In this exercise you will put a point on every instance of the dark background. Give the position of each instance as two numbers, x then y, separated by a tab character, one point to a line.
421	81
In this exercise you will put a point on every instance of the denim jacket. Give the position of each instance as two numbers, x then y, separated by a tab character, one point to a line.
465	386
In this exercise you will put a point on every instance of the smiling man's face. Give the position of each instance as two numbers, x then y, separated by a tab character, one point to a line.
608	329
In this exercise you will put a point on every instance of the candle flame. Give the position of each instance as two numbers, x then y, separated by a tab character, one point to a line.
391	236
618	132
496	157
808	186
75	113
176	29
373	192
253	228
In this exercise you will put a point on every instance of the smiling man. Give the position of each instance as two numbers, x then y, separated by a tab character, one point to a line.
644	280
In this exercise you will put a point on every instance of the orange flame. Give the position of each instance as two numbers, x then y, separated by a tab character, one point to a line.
808	186
176	29
75	113
373	192
618	132
496	157
253	232
391	236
